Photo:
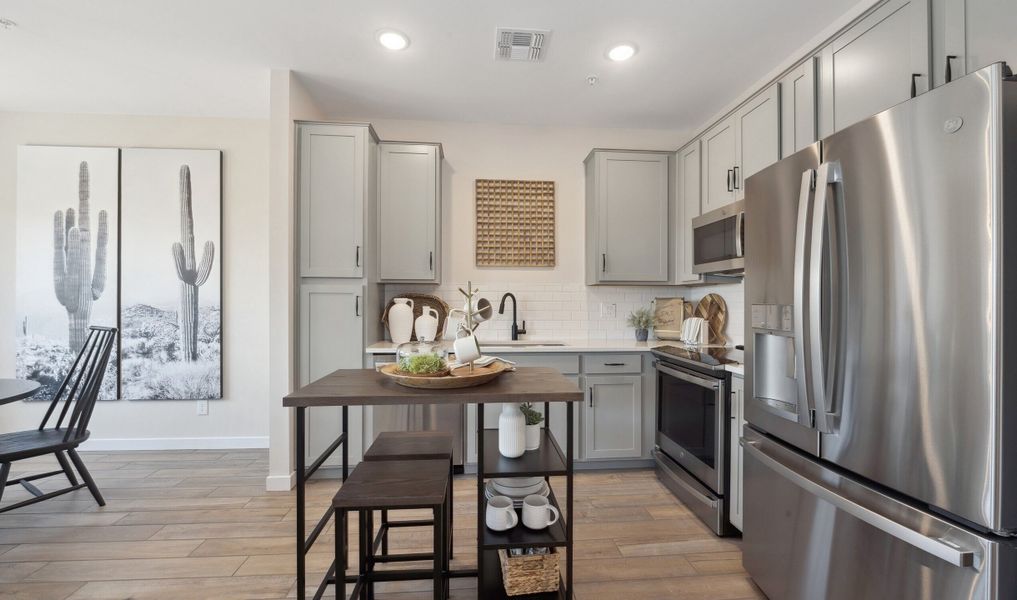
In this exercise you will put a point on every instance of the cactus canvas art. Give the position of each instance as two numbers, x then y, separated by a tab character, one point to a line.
66	253
170	316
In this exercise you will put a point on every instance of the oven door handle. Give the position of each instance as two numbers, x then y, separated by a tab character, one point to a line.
700	381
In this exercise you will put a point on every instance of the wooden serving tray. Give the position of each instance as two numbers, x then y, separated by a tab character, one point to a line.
460	377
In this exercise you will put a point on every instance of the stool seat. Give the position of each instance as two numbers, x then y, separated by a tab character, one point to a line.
410	445
390	484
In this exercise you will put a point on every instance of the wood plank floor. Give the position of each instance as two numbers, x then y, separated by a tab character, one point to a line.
199	524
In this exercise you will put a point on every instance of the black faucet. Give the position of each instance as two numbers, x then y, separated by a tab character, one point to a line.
501	310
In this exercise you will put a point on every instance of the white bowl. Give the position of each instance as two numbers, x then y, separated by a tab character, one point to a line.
518	482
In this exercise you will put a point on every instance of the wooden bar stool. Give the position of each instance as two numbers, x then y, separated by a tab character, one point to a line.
412	445
392	485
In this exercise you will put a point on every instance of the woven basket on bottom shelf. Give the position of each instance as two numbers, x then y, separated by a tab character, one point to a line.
530	573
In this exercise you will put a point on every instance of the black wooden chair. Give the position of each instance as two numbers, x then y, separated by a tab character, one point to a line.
79	388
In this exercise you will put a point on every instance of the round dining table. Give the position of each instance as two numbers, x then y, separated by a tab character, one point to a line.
16	389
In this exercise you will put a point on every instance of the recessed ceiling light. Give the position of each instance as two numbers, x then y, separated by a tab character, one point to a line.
7	23
621	52
393	40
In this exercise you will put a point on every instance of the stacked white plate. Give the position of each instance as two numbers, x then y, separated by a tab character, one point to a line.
516	488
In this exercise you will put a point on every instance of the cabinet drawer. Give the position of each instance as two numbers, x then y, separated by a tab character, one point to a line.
567	364
612	363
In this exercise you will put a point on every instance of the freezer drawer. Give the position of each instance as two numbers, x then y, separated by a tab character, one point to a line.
810	532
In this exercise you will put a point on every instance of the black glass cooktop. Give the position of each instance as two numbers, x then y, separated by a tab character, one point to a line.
707	356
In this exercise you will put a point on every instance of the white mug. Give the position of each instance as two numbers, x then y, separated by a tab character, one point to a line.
466	347
538	512
501	515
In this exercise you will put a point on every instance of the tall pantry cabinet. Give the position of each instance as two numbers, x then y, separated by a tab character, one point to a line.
339	295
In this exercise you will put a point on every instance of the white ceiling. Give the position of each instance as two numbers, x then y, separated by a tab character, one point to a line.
211	57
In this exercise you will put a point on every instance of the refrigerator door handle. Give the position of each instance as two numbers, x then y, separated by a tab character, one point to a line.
800	266
829	174
938	547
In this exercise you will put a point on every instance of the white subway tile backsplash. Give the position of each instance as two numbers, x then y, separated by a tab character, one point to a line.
571	311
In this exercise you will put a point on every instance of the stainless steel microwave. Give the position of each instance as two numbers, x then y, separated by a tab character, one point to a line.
718	240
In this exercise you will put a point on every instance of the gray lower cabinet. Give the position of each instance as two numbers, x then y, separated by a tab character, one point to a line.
335	170
798	110
737	422
687	207
330	337
409	212
880	61
612	417
627	216
970	34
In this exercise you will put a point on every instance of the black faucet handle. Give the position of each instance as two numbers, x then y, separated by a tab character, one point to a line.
522	330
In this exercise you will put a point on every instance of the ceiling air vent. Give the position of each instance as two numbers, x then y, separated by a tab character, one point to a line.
520	44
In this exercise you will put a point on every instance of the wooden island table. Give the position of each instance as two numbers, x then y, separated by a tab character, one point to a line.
367	387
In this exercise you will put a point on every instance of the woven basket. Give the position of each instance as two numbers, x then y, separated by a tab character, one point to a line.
529	574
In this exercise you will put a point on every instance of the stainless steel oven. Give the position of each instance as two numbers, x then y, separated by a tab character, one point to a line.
718	240
692	438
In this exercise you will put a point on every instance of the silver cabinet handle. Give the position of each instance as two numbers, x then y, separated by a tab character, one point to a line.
603	262
614	364
730	187
356	309
358	256
430	261
951	553
735	178
591	397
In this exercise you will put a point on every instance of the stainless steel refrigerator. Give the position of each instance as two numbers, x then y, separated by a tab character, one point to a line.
880	459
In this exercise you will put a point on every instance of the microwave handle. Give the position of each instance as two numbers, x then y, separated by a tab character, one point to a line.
739	234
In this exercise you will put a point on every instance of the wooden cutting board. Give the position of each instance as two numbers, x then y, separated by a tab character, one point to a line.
713	309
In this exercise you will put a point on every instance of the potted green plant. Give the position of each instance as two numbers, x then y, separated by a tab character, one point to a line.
641	319
533	421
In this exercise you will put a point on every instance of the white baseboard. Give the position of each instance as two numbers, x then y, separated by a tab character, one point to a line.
202	443
280	483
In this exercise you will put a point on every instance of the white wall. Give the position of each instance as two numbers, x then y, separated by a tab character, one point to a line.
241	418
289	101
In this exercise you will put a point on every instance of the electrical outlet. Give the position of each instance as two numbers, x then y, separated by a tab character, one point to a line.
608	310
202	408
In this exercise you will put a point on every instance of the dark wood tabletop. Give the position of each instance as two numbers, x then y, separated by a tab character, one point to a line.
360	387
16	389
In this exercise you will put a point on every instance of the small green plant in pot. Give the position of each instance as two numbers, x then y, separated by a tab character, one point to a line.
533	421
641	319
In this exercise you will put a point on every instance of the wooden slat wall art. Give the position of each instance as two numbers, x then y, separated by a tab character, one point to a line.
515	223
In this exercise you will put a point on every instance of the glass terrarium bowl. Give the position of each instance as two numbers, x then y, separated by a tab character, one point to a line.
422	359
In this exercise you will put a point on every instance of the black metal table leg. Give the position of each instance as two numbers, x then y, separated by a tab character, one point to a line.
569	527
480	495
299	451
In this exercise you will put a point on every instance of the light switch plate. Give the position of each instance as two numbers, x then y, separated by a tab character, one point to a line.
202	408
608	310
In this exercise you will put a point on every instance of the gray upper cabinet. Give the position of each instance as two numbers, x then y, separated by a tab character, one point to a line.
970	34
627	216
719	157
613	417
688	208
335	162
758	136
798	108
409	212
875	64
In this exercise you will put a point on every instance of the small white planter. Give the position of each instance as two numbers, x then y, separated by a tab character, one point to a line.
533	437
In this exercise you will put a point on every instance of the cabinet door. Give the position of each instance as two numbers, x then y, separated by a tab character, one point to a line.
688	208
798	108
331	337
332	195
719	159
737	421
408	212
632	213
976	32
612	417
758	140
869	67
